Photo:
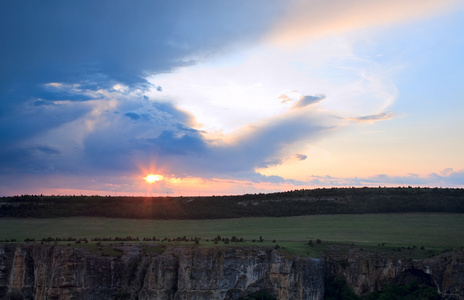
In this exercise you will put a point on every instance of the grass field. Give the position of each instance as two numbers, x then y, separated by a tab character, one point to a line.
436	231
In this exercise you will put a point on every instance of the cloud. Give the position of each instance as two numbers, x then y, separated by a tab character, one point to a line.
76	100
57	54
267	139
449	179
77	51
31	118
315	19
164	136
373	118
71	71
445	178
307	100
113	140
284	98
118	42
182	142
48	150
301	156
134	132
64	92
132	115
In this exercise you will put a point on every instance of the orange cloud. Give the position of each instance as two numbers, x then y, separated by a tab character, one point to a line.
313	19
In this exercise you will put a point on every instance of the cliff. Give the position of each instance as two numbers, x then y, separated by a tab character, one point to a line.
32	271
366	271
60	272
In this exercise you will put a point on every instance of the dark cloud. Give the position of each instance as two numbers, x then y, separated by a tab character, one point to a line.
182	142
149	131
30	159
165	137
60	51
100	43
74	51
31	118
175	113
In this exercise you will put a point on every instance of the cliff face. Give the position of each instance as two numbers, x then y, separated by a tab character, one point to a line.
47	272
60	272
367	272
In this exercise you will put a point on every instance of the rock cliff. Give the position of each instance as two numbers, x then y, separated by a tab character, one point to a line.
60	272
370	271
32	271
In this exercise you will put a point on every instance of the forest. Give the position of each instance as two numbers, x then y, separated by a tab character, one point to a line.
290	203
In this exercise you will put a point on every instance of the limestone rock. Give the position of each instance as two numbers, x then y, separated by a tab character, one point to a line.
368	272
60	272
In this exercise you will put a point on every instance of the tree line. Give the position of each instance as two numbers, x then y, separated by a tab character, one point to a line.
291	203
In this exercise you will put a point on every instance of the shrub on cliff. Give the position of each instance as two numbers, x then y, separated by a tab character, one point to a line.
261	295
410	291
336	289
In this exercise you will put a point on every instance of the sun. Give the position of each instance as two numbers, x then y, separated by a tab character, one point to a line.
153	178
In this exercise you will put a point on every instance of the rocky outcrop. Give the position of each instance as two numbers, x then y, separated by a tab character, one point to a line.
60	272
371	271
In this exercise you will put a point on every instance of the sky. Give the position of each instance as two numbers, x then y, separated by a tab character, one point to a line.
229	97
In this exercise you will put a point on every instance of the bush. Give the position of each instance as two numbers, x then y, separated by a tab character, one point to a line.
410	291
336	288
261	295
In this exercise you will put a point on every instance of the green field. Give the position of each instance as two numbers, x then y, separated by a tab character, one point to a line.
436	231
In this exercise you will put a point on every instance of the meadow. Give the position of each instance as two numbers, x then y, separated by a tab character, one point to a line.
430	230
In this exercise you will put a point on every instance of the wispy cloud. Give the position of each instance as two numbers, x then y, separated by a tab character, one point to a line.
373	118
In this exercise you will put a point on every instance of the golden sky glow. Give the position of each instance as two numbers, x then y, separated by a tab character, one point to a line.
315	19
153	178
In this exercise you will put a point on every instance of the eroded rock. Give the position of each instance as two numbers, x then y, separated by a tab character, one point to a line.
60	272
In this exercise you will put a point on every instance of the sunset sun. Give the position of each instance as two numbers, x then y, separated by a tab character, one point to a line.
153	178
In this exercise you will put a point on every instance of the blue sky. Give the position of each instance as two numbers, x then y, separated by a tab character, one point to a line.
229	97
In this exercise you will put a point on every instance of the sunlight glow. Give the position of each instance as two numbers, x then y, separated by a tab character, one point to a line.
153	178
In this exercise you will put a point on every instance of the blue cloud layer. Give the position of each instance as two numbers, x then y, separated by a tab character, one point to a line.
57	55
98	43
